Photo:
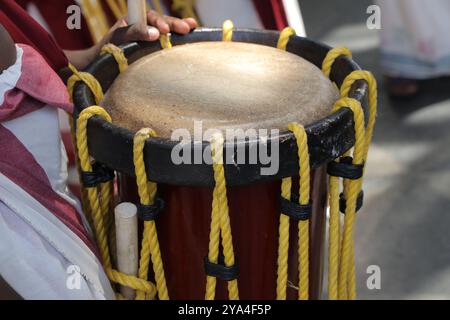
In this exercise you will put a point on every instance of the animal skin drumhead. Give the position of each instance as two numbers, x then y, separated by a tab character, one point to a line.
223	85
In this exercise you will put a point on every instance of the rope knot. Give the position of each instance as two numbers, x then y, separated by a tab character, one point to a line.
294	210
220	270
150	212
99	174
343	202
345	168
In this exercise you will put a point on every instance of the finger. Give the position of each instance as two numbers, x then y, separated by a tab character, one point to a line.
120	24
191	22
157	20
153	33
111	35
135	32
178	25
142	32
152	16
162	25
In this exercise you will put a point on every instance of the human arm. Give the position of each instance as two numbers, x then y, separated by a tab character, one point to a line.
121	32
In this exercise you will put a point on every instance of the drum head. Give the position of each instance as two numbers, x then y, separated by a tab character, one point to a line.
159	96
225	85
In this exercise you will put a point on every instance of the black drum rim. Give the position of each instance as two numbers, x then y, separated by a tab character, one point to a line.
111	145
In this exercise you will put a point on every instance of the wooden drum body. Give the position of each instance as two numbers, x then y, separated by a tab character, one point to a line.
253	199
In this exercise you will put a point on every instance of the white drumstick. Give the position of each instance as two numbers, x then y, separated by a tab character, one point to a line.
127	243
137	12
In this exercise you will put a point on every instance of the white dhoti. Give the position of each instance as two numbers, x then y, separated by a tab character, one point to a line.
46	248
414	38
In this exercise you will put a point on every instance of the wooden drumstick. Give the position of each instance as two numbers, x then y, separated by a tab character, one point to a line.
127	243
137	12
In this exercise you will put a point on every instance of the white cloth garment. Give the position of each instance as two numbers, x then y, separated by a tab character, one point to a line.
41	257
414	38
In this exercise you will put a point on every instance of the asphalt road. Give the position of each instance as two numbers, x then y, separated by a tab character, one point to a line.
404	227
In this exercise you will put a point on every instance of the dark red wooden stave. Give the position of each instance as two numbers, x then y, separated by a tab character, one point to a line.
183	232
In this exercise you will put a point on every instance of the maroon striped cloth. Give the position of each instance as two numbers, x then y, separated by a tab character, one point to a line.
25	91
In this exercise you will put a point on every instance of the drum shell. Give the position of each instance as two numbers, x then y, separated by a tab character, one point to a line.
183	232
253	198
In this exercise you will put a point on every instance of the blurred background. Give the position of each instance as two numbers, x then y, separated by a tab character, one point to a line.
404	226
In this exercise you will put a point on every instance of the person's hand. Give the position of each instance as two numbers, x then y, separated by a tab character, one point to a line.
157	24
121	33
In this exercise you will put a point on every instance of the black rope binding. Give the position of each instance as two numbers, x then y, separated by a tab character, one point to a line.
150	212
99	174
345	169
220	271
294	210
343	202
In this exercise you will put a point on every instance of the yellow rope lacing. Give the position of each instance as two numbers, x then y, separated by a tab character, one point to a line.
283	243
96	210
341	274
84	197
345	89
96	89
331	56
304	198
101	205
285	35
118	55
147	193
164	39
88	79
372	83
220	223
220	220
342	270
353	188
227	31
106	189
303	225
